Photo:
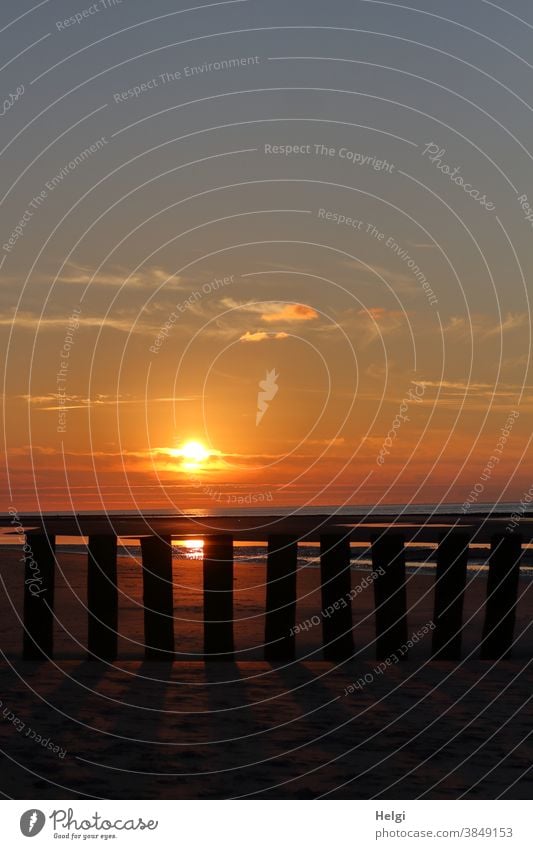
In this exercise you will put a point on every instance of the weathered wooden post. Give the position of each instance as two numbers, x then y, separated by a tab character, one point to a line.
39	582
502	590
102	597
450	582
158	598
280	612
218	597
335	577
388	559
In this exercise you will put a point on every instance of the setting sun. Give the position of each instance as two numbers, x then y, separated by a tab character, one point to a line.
193	455
194	452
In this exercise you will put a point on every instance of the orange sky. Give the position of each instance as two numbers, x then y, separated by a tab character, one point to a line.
265	259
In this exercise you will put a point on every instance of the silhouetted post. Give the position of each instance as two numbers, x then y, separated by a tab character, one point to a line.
502	589
335	576
39	580
158	598
280	612
452	560
218	597
102	597
388	559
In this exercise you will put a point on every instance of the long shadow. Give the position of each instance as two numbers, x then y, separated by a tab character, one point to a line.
49	742
132	746
337	726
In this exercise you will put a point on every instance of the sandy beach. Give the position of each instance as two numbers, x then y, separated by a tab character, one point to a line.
77	729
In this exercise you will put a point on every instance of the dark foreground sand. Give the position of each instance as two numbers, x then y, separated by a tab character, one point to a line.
188	730
253	730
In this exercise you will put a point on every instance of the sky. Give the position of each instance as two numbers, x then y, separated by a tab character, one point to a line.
297	234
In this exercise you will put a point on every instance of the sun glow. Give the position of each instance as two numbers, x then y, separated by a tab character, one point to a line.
193	453
193	543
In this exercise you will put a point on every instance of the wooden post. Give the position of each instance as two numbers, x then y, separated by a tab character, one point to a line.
280	612
388	559
102	597
158	598
502	589
218	597
335	576
39	580
450	582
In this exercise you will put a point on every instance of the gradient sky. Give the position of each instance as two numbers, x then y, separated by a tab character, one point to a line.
183	191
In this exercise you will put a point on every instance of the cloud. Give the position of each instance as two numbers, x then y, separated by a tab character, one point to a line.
473	386
449	392
31	321
375	322
242	320
117	276
484	326
400	282
273	310
376	313
512	321
79	402
290	312
334	442
261	336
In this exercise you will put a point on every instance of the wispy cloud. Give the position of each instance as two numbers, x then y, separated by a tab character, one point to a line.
402	283
484	326
47	403
262	336
512	321
31	321
289	313
75	274
375	322
334	442
271	311
422	246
